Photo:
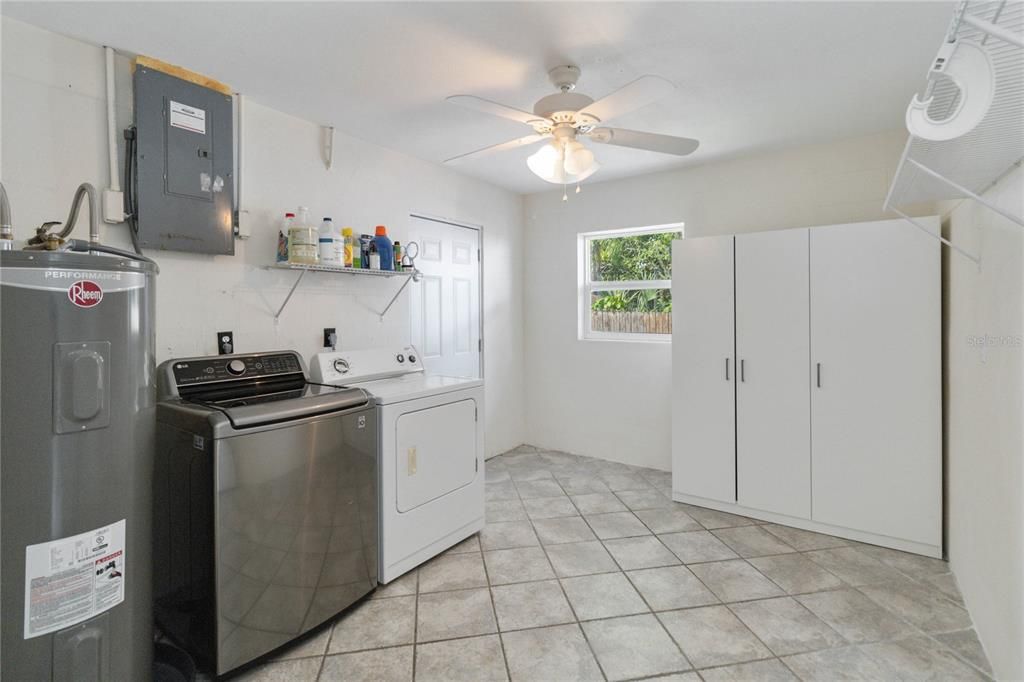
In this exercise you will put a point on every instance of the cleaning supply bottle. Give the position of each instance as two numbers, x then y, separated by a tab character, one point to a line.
364	251
384	248
398	255
282	237
347	251
374	256
303	241
331	248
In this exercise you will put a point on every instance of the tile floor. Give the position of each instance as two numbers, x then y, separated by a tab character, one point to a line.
587	570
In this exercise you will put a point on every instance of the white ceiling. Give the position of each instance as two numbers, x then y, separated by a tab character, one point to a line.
750	76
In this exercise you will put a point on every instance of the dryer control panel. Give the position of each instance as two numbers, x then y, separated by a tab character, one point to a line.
343	367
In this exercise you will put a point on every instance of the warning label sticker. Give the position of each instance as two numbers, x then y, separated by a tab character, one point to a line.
188	118
72	579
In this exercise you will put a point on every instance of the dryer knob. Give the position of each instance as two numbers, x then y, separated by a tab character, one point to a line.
341	366
412	358
400	357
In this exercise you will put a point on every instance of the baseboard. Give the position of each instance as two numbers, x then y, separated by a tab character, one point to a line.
934	551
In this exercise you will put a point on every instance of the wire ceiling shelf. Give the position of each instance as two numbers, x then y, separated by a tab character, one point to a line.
968	164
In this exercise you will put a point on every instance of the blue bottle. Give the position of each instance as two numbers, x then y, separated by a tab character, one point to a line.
384	248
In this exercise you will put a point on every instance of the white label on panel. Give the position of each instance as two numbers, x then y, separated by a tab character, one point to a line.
431	317
462	314
460	253
431	249
188	118
72	579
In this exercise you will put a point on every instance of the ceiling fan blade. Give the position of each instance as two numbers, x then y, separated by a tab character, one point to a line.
639	93
666	144
486	106
511	144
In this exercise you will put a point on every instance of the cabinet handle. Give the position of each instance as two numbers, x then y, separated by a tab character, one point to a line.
819	375
727	369
743	373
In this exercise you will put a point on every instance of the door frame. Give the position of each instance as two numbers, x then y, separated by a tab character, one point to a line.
480	272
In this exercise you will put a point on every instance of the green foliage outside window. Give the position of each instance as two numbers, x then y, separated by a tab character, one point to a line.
639	258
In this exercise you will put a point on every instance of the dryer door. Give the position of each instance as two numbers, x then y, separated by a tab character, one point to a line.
436	452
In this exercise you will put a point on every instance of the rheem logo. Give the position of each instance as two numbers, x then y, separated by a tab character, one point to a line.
85	293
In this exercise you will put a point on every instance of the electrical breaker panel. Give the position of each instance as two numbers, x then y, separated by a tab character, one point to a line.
184	164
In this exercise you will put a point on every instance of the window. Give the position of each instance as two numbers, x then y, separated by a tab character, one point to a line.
625	283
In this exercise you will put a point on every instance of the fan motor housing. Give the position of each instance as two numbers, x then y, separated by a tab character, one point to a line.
561	103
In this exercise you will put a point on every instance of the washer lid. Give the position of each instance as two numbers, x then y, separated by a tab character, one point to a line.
412	386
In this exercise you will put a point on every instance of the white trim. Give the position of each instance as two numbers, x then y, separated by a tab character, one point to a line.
815	526
586	288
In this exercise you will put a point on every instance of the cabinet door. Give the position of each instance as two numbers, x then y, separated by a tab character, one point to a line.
876	412
773	412
703	369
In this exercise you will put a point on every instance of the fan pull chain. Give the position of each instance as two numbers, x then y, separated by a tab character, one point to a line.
577	188
565	195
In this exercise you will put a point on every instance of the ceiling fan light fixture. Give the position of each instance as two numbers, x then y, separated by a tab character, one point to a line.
562	163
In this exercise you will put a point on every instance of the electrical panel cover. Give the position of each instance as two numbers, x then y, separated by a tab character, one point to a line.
184	165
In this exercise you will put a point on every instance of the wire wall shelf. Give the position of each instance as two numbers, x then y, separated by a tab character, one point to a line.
965	166
409	275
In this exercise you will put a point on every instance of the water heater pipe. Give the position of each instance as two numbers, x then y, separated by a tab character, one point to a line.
115	178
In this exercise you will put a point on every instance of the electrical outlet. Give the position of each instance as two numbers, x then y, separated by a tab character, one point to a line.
225	343
330	337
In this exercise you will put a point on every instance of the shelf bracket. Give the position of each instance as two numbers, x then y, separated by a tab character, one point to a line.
415	275
965	254
328	146
960	188
302	273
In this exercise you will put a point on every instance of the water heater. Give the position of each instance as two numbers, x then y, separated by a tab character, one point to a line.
77	401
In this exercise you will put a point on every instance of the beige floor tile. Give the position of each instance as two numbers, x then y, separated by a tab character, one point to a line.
508	534
735	580
603	596
379	665
796	574
633	646
835	665
853	567
552	654
804	540
531	605
670	520
453	572
697	546
713	636
752	541
642	552
856	617
558	531
524	564
965	644
462	613
476	659
617	525
917	658
644	499
549	507
771	670
598	503
923	607
671	587
713	519
297	670
580	558
786	627
375	623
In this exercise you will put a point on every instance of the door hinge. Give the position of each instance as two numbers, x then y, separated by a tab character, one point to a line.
479	345
476	465
478	255
476	414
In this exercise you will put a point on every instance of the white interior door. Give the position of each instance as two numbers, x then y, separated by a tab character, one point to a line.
773	412
876	413
446	301
703	369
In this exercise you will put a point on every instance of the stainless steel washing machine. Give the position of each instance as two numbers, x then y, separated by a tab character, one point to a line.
266	521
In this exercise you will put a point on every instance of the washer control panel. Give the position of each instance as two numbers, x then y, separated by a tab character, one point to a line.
227	367
345	367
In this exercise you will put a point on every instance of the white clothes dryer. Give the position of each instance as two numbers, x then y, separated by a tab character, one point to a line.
431	446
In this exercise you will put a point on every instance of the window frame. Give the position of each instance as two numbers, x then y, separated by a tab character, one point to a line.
586	288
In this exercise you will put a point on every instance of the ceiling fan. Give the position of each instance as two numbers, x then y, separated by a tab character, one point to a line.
563	119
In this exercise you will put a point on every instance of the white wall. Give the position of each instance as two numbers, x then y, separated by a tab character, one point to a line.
54	136
984	441
611	399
